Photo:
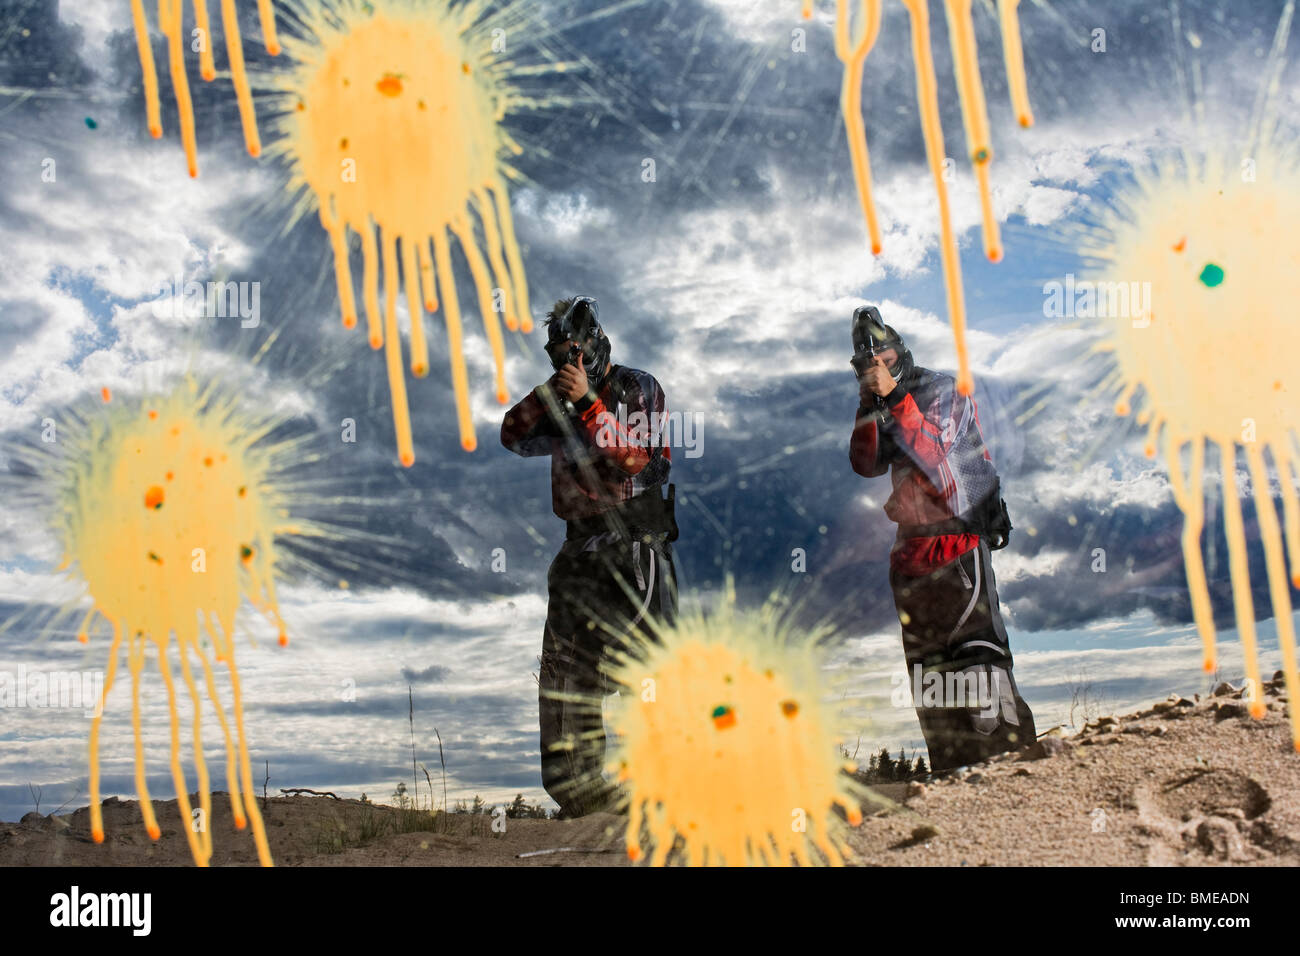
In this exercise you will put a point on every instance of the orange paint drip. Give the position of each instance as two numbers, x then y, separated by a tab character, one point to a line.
170	22
1278	585
1014	54
202	23
393	354
975	115
853	53
1243	603
414	303
169	19
169	569
928	97
428	284
266	14
148	72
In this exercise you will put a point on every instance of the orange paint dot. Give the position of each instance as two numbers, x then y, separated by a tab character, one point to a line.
877	248
376	342
208	461
723	717
407	459
97	835
1122	409
1180	245
469	443
349	321
1207	665
419	369
1258	710
83	637
390	85
153	498
284	639
995	255
170	476
154	832
789	708
633	853
106	394
153	415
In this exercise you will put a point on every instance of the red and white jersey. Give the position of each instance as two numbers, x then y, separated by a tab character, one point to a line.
601	454
941	469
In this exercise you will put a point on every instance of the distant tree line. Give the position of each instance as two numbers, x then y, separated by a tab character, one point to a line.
883	768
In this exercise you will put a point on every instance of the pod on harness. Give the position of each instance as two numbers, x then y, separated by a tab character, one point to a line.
647	512
989	519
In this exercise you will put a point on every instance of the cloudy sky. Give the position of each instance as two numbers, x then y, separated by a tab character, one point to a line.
731	277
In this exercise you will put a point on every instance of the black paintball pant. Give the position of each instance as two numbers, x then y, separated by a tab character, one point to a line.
601	601
957	652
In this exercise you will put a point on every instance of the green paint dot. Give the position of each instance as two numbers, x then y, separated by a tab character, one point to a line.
90	123
721	710
981	156
1211	275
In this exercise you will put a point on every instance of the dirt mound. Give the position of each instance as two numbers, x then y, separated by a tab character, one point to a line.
1185	782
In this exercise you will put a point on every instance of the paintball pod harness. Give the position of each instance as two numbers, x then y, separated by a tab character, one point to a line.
988	519
646	513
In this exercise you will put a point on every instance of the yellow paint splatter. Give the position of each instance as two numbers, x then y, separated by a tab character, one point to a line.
1213	245
175	565
853	51
724	741
396	139
396	135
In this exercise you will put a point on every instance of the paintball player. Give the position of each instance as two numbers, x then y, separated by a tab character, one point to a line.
614	574
947	504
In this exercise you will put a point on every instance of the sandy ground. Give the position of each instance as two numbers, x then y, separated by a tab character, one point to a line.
1187	782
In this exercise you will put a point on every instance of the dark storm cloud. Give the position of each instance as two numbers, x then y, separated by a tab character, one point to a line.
37	49
428	675
672	82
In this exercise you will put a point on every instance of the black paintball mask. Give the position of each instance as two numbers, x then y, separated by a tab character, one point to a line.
870	336
578	332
